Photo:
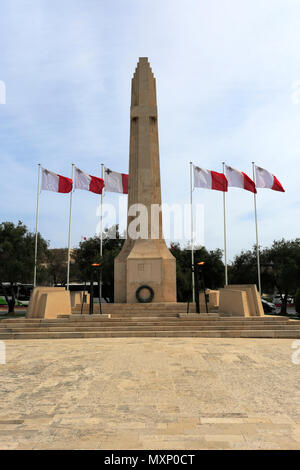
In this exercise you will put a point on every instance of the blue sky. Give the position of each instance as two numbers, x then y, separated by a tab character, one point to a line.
224	70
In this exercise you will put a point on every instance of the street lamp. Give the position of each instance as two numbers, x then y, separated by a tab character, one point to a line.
94	266
200	284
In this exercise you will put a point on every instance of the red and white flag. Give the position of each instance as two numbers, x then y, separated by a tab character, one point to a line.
115	182
54	182
265	179
239	179
88	182
209	179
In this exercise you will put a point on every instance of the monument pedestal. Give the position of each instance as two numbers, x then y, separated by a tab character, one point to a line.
148	262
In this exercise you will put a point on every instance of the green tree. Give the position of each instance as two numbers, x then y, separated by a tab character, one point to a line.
57	265
89	253
183	272
243	270
282	268
17	258
213	269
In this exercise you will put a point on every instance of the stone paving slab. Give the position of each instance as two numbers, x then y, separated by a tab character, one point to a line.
150	393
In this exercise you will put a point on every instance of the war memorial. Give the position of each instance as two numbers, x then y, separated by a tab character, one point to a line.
145	269
148	372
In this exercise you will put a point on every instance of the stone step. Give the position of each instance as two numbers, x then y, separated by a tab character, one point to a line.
142	324
139	306
115	322
111	308
145	328
142	321
193	317
234	320
140	313
151	325
130	311
166	334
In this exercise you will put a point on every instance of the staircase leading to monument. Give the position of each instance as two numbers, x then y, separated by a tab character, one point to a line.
142	323
148	309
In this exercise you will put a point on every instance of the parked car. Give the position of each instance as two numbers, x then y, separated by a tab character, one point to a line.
277	299
268	307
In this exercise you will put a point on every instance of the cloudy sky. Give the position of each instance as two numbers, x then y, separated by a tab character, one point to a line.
228	76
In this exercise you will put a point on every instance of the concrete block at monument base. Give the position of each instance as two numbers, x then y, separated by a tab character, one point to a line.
242	300
160	274
145	262
254	300
49	302
76	298
214	300
234	302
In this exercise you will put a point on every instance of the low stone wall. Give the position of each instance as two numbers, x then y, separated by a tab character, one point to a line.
76	298
214	300
254	300
234	302
49	302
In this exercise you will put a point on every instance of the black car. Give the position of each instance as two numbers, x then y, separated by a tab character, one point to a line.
268	307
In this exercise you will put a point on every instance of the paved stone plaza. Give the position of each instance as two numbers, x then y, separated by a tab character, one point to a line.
144	393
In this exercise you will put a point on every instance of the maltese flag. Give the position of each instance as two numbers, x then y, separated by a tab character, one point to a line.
265	179
115	182
88	182
54	182
209	179
239	179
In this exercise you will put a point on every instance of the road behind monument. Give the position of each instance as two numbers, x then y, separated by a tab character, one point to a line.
150	393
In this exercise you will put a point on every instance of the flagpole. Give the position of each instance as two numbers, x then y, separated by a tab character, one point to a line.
69	236
192	232
36	224
256	229
101	238
225	237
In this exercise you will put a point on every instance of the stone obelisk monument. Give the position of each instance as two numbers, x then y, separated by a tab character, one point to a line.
144	261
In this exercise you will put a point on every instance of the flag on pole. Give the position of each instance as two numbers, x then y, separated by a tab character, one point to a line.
239	179
88	182
115	182
209	179
54	182
265	179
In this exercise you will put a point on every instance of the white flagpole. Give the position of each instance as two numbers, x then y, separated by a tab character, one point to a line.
256	228
101	238
69	237
225	237
36	224
192	232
